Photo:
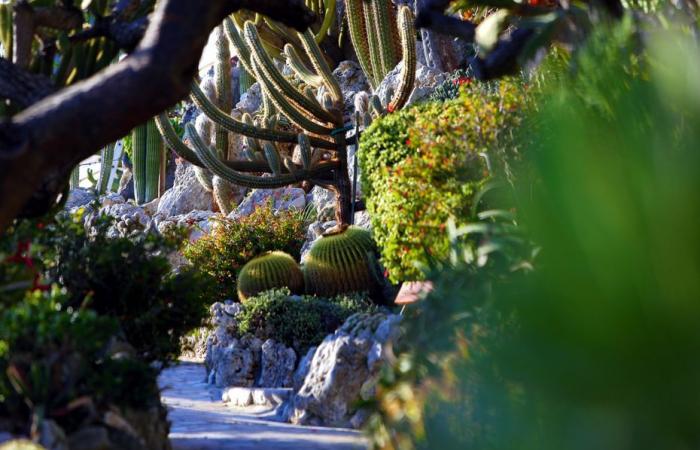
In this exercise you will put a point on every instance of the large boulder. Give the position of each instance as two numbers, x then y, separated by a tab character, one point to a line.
197	223
426	81
236	364
277	365
352	80
186	195
130	219
283	199
344	366
79	197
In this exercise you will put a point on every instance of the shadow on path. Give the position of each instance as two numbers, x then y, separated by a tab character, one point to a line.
200	421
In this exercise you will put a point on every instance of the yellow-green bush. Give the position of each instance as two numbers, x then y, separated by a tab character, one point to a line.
423	165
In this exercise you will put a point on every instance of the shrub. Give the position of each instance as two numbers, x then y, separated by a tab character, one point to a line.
54	362
128	279
300	321
422	166
233	243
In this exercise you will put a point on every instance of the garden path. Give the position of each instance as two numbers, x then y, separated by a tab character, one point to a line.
200	421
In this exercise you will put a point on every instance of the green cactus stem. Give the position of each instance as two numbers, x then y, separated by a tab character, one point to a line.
138	160
407	34
154	158
106	161
75	178
272	270
342	263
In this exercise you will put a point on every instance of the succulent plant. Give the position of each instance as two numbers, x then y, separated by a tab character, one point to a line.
341	262
271	270
147	161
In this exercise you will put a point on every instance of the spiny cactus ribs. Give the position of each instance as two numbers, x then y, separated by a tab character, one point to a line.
270	271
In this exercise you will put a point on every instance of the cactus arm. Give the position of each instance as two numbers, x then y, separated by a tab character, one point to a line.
358	36
235	38
300	69
373	44
106	160
139	162
272	155
328	19
407	33
382	28
222	74
245	81
305	150
235	126
288	109
219	168
321	67
154	150
223	194
276	80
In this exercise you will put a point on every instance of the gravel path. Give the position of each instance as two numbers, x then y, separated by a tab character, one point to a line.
200	421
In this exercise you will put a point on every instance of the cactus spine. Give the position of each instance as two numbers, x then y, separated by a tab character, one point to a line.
270	271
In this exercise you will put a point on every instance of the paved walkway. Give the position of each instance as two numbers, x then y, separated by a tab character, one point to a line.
200	421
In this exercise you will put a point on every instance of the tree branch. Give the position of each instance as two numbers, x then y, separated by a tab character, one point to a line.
22	87
47	139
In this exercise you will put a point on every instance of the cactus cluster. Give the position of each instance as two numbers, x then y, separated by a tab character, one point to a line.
106	161
272	270
341	262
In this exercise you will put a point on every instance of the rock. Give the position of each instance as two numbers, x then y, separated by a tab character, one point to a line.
198	223
51	435
111	199
225	328
242	397
130	219
324	201
344	365
352	80
362	220
237	364
151	426
151	207
186	195
277	365
79	197
90	438
303	369
126	184
250	101
284	199
426	81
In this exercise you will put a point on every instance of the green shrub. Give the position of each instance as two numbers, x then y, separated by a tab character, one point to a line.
233	243
128	279
54	362
423	165
300	321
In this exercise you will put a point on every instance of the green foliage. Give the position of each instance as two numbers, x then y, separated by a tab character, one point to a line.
450	88
129	279
422	166
300	321
342	263
232	243
54	361
273	270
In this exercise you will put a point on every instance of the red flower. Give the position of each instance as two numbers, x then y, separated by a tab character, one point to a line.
463	80
390	108
408	142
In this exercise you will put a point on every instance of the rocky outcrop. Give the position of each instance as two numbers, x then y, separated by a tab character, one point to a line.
344	367
277	365
283	199
79	197
186	195
426	81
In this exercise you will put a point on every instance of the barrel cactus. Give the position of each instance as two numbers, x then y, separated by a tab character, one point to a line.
269	271
343	262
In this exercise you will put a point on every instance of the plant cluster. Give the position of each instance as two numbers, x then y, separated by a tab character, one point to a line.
232	243
422	166
297	321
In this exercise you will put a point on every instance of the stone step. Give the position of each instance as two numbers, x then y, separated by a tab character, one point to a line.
243	396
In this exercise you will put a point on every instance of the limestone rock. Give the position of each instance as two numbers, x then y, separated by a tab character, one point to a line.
130	219
250	101
283	199
352	80
112	199
186	195
277	365
237	364
79	197
426	81
344	365
225	327
303	369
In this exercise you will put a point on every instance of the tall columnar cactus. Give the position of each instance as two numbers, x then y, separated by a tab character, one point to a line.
147	157
224	95
373	34
306	111
138	160
75	178
342	262
245	81
106	163
270	271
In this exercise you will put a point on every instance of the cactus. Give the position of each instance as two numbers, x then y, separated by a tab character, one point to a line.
147	158
106	161
224	194
270	271
138	140
342	262
75	178
245	81
312	102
